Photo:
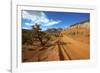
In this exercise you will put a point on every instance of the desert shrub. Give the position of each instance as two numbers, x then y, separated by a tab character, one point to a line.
71	33
75	33
26	36
39	35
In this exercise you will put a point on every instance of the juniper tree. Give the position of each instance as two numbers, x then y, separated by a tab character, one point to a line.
37	33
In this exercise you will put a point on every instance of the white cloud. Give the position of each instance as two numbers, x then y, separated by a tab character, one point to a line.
39	18
28	24
44	28
52	23
26	27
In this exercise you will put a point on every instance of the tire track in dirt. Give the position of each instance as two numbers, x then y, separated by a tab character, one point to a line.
63	54
81	49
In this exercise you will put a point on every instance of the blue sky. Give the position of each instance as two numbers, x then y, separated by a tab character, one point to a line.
51	19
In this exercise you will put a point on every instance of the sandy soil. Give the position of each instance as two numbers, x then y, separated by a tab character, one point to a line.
65	47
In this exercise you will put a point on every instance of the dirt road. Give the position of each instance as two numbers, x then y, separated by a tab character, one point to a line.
76	49
66	48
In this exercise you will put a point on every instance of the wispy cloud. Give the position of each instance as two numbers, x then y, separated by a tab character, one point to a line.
52	23
38	17
26	27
